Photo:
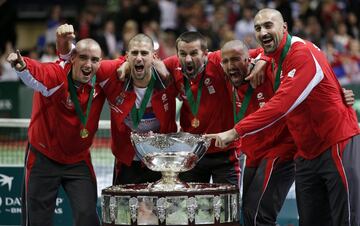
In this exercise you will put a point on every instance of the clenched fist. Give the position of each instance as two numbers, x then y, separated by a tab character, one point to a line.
64	37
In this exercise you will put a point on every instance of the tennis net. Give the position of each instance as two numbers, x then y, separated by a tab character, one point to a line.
13	142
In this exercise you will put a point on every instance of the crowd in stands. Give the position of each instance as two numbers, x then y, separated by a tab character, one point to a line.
332	25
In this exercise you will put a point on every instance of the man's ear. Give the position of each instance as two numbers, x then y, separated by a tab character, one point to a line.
206	52
285	26
72	56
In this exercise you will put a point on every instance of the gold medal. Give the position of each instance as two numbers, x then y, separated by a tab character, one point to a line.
84	133
195	122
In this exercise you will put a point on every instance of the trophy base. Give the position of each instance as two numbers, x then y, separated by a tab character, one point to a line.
198	204
165	185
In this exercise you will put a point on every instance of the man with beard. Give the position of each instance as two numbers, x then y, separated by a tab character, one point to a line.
142	103
269	171
60	134
324	128
199	79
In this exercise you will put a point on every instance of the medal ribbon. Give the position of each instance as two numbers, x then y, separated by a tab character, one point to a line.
194	105
137	114
282	57
238	116
83	118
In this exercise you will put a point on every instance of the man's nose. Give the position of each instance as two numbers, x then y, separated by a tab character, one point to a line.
88	62
188	58
262	32
138	56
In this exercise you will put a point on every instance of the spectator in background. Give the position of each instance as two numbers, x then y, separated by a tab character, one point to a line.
167	44
168	14
49	54
245	26
219	18
85	20
351	61
353	25
152	29
341	36
284	7
226	34
328	13
313	30
125	13
298	28
129	30
8	18
146	10
6	71
108	41
53	21
330	37
52	24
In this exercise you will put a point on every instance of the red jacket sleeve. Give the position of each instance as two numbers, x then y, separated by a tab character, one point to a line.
301	74
108	69
44	77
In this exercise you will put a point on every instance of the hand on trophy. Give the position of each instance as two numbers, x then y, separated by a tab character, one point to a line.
222	140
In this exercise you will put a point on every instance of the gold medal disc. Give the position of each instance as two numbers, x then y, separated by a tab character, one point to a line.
84	133
195	122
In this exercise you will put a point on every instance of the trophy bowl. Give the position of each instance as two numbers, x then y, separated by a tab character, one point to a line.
169	154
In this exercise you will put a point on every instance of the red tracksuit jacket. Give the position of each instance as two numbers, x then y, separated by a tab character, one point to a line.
309	98
273	142
121	98
55	128
215	108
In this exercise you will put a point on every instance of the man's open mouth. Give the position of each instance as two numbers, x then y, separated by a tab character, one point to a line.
86	72
139	68
267	41
189	69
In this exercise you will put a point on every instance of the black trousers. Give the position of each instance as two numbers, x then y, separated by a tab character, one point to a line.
264	191
327	187
136	173
43	178
222	167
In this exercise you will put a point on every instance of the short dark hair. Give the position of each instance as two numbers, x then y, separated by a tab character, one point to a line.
141	37
192	36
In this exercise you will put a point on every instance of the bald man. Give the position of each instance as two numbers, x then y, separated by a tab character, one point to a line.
66	108
324	128
270	169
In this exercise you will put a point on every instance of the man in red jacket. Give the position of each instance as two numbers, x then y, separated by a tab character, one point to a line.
67	104
142	103
269	171
206	107
323	127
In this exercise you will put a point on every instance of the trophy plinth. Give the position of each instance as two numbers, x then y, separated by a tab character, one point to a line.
169	154
170	201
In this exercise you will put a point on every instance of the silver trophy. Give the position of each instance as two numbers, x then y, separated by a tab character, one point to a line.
169	154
